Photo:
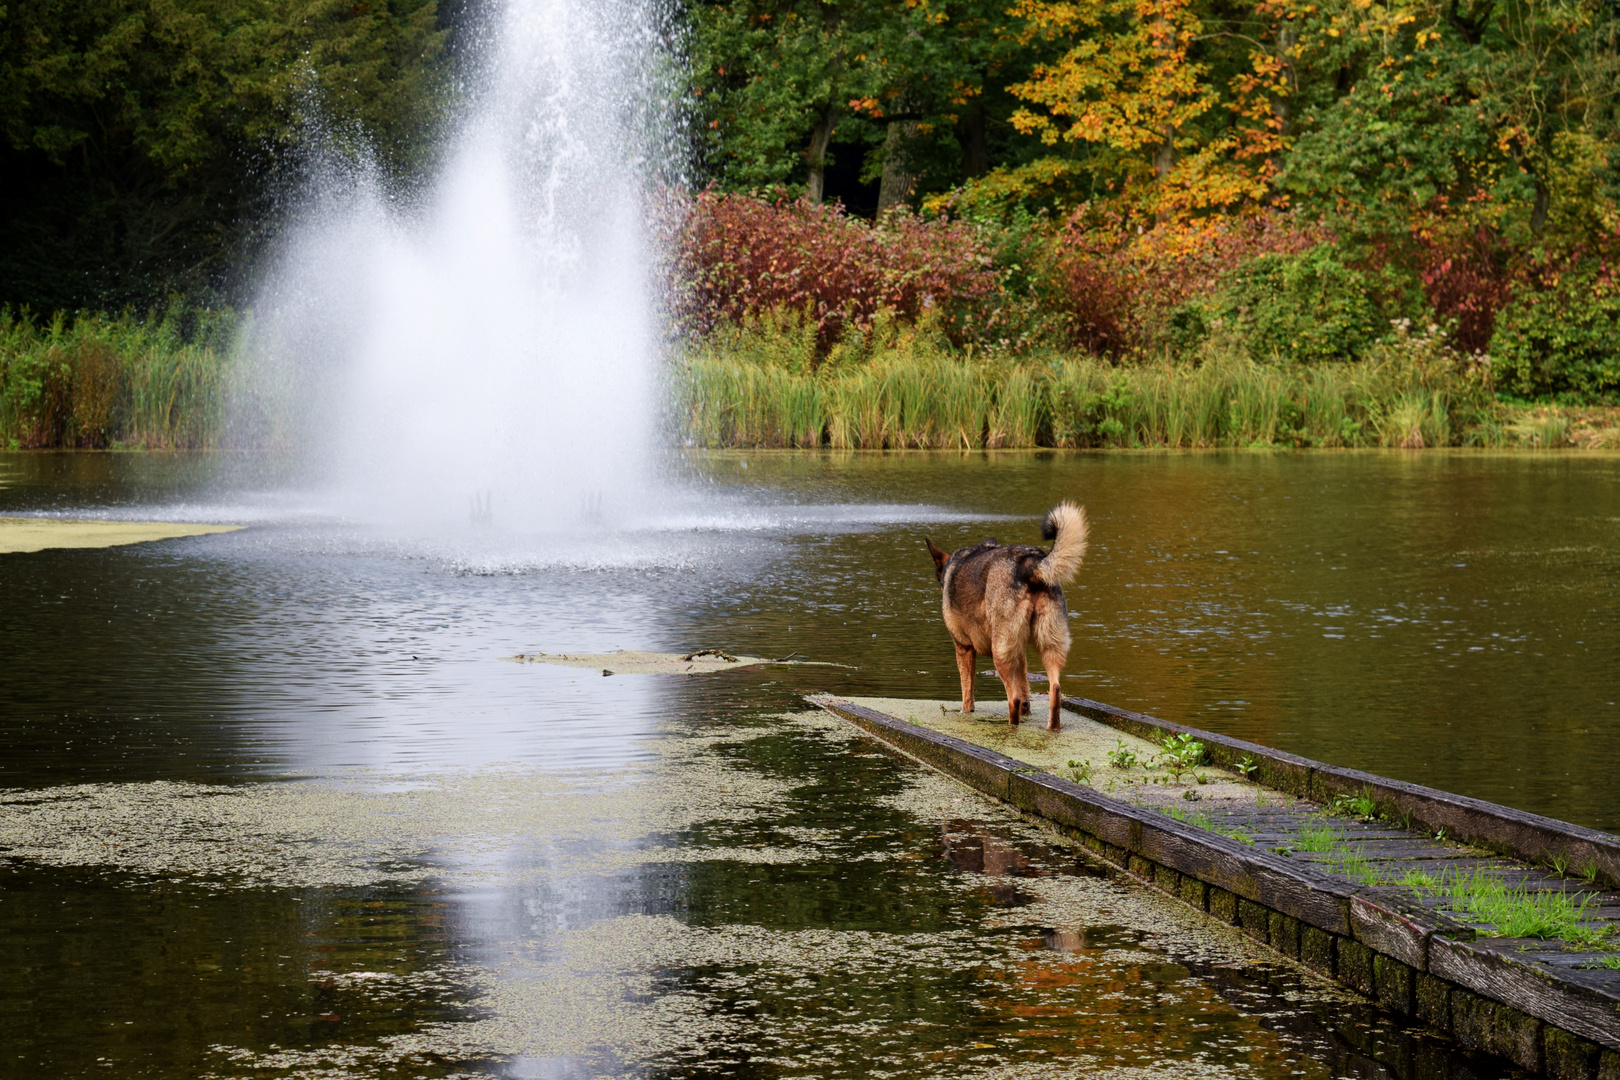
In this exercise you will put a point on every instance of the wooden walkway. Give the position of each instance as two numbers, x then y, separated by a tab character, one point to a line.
1351	873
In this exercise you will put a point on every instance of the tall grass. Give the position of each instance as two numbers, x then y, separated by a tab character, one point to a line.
894	386
95	380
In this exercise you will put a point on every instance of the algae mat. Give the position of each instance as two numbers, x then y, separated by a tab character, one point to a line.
1112	761
21	534
1002	957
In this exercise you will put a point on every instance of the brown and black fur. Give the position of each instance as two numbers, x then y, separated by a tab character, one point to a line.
1001	598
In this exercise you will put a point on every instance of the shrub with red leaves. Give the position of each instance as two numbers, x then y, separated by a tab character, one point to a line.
1113	283
1467	279
738	256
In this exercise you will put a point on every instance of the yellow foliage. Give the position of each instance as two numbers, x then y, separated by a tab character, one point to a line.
1129	84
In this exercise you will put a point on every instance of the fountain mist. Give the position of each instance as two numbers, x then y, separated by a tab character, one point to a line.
488	351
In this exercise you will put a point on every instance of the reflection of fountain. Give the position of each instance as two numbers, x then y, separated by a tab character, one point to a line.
500	334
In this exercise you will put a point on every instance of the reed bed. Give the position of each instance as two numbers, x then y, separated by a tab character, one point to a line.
908	389
94	381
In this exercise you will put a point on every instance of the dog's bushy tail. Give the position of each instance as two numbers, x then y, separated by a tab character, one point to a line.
1065	524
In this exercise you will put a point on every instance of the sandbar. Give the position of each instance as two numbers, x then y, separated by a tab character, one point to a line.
20	534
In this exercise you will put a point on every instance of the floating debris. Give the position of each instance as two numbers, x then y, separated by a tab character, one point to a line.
636	662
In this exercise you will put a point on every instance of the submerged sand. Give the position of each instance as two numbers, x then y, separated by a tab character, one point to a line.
22	534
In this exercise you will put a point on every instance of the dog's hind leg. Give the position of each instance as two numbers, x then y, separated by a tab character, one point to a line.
1053	660
964	667
1052	642
1014	674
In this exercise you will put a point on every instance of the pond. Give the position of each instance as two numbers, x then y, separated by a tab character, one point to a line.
273	802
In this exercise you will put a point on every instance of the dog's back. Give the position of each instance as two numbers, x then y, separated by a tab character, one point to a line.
998	599
989	584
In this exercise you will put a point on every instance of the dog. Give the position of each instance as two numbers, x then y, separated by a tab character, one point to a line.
999	598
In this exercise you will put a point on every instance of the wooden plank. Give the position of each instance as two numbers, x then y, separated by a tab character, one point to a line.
1389	921
1530	837
1258	876
1283	771
1580	1007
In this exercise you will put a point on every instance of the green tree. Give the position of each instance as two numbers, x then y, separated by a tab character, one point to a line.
139	136
918	88
1480	110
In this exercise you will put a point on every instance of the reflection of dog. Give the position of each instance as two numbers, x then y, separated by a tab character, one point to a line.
1000	597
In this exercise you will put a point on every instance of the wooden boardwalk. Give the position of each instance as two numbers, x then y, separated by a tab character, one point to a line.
1349	872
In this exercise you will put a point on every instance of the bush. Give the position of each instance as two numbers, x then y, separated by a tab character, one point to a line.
1304	308
1124	289
1467	282
739	258
1561	335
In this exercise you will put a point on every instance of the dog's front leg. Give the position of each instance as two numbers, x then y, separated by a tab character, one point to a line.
964	667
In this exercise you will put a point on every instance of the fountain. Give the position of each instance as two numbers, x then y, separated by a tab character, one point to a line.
491	342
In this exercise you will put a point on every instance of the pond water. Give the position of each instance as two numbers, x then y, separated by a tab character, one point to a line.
274	804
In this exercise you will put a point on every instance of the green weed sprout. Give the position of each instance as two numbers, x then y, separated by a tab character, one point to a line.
1184	750
1324	838
1516	911
1123	757
1080	772
1247	766
1200	820
1358	806
1340	858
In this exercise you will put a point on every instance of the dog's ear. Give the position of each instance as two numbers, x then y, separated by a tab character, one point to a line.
940	558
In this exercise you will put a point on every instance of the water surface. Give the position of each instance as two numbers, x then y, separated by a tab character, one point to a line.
274	805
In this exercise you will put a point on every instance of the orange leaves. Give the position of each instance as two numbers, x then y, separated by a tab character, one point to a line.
1137	80
1129	85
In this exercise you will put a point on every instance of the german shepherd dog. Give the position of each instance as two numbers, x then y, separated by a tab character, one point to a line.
1000	597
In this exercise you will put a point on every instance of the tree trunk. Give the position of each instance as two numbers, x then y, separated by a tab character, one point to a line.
898	179
1282	104
1538	212
1165	156
970	133
820	139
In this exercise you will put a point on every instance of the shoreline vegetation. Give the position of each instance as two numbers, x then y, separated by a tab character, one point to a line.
794	324
918	395
103	382
98	381
942	223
